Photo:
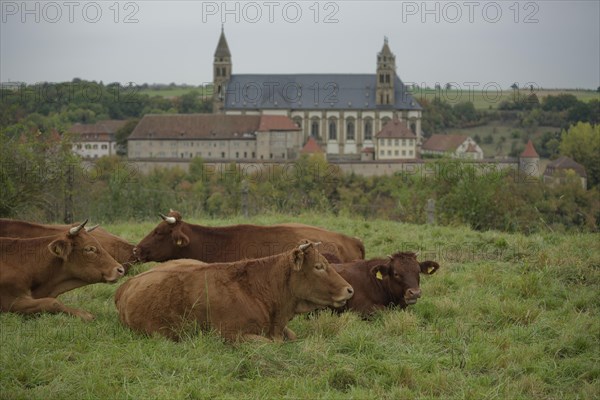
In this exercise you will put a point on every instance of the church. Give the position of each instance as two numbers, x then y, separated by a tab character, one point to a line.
345	113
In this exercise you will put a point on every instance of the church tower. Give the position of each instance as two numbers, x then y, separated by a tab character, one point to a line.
386	76
221	73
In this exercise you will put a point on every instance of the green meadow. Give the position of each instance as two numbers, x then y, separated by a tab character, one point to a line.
507	316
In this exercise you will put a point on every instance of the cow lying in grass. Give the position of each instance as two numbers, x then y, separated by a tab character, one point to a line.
173	238
245	300
33	272
382	282
118	248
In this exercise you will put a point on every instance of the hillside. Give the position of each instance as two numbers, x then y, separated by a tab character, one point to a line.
506	316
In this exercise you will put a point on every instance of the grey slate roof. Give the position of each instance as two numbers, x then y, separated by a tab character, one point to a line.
311	92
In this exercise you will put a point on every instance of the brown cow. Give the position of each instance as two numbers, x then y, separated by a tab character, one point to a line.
33	272
379	283
174	238
117	247
244	300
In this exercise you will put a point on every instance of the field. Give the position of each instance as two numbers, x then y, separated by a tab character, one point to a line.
506	317
171	92
492	97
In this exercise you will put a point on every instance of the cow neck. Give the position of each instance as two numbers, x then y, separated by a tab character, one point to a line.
271	279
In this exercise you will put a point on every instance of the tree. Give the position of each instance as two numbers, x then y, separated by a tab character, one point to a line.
122	135
582	143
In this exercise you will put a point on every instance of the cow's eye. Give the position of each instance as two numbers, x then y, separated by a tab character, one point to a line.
90	249
319	266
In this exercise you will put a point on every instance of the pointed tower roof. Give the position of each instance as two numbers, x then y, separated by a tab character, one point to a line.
222	48
385	50
529	151
311	147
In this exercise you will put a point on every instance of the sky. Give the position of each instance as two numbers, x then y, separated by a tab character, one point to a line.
470	44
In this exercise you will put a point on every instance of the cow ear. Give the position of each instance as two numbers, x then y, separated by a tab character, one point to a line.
60	248
380	271
298	259
429	267
181	239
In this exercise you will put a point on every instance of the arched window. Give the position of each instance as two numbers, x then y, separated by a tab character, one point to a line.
332	129
368	128
314	127
350	129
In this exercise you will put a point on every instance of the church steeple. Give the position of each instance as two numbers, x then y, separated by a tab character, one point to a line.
386	75
221	72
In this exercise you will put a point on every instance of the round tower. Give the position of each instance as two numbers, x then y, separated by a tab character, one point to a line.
529	163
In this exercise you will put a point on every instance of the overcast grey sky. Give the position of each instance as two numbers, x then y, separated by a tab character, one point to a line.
553	44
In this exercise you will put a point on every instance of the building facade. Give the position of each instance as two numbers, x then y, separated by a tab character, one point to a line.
343	112
95	140
454	146
214	137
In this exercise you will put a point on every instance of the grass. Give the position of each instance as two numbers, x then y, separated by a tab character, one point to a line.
506	317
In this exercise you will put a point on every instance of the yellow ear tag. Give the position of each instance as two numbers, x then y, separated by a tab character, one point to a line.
179	242
430	270
378	275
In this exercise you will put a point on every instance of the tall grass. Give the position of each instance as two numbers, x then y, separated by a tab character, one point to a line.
506	317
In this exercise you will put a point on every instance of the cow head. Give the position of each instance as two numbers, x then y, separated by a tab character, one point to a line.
314	283
400	277
165	241
84	258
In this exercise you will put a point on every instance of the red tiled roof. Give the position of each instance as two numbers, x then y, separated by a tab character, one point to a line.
311	146
276	123
529	151
471	148
395	129
444	142
107	126
562	164
208	126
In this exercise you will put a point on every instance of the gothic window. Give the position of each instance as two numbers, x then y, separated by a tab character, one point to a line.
387	78
224	71
380	78
368	129
350	129
314	127
218	71
387	99
332	129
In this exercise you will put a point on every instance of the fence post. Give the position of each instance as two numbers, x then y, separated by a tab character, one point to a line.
430	208
245	198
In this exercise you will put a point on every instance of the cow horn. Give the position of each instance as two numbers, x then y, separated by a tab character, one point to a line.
75	230
305	246
170	220
91	228
390	257
417	253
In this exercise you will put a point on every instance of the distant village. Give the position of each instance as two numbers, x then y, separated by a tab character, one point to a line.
367	124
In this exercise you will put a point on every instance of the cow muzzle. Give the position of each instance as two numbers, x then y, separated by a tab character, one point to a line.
412	295
137	253
347	294
117	273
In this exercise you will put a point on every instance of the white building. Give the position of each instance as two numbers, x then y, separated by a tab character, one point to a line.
95	140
